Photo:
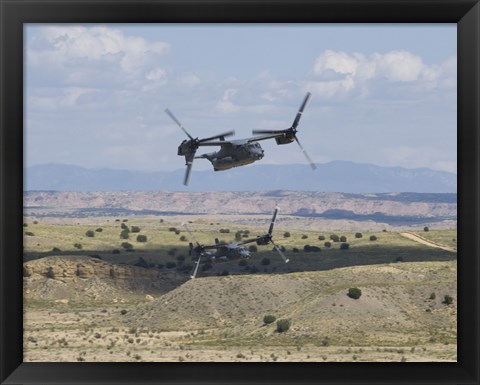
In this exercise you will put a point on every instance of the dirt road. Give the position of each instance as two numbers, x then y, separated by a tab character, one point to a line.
419	239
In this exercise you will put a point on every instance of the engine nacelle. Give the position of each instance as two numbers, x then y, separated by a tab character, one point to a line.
284	139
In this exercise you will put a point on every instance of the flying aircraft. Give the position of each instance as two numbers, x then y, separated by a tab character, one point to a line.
235	153
235	250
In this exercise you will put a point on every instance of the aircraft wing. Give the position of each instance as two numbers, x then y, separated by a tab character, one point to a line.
250	240
223	143
263	137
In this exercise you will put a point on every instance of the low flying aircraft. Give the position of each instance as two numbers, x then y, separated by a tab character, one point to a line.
227	251
235	153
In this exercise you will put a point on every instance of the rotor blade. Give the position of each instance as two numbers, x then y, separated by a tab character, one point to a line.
300	111
268	131
273	221
228	133
306	155
280	252
188	172
169	113
196	267
191	234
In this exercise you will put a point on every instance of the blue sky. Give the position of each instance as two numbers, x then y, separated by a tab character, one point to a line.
381	94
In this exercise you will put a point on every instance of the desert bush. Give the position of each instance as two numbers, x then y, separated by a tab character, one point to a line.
447	300
141	238
78	246
304	236
358	235
321	237
327	244
127	246
224	231
343	238
344	246
50	273
99	230
238	235
433	296
325	341
354	292
135	229
172	229
56	249
268	319
90	233
334	237
183	238
265	261
373	237
125	234
29	233
425	228
286	234
283	325
124	226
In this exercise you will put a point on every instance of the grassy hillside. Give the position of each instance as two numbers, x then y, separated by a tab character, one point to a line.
400	316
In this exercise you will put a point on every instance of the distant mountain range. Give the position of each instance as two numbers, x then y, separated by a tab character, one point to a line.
336	176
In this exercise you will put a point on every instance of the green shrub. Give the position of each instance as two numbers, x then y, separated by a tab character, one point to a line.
265	261
183	238
268	319
304	236
135	229
425	228
286	234
343	238
224	231
283	325
56	249
78	246
358	235
141	238
172	229
99	230
124	226
447	300
328	244
127	245
344	246
321	237
354	292
29	233
373	238
125	234
90	233
433	296
334	237
50	273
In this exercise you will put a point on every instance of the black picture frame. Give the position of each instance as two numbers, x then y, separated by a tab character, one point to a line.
14	13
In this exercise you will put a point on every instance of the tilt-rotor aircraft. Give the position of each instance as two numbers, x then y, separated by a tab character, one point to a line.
239	152
227	251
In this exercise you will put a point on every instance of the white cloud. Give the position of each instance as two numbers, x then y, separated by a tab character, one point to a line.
337	74
190	80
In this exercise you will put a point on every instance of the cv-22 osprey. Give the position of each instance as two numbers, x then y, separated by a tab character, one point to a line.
239	152
228	251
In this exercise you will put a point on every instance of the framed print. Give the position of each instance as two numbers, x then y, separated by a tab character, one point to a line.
236	192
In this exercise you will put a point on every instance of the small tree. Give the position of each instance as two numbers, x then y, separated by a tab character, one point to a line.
334	237
283	325
358	235
354	292
141	238
268	319
90	233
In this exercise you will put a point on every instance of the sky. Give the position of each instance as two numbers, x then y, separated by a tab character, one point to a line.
381	94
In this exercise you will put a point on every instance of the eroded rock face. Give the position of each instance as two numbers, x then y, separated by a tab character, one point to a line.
60	277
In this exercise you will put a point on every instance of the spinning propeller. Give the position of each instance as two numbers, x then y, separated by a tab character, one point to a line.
265	239
188	148
290	134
